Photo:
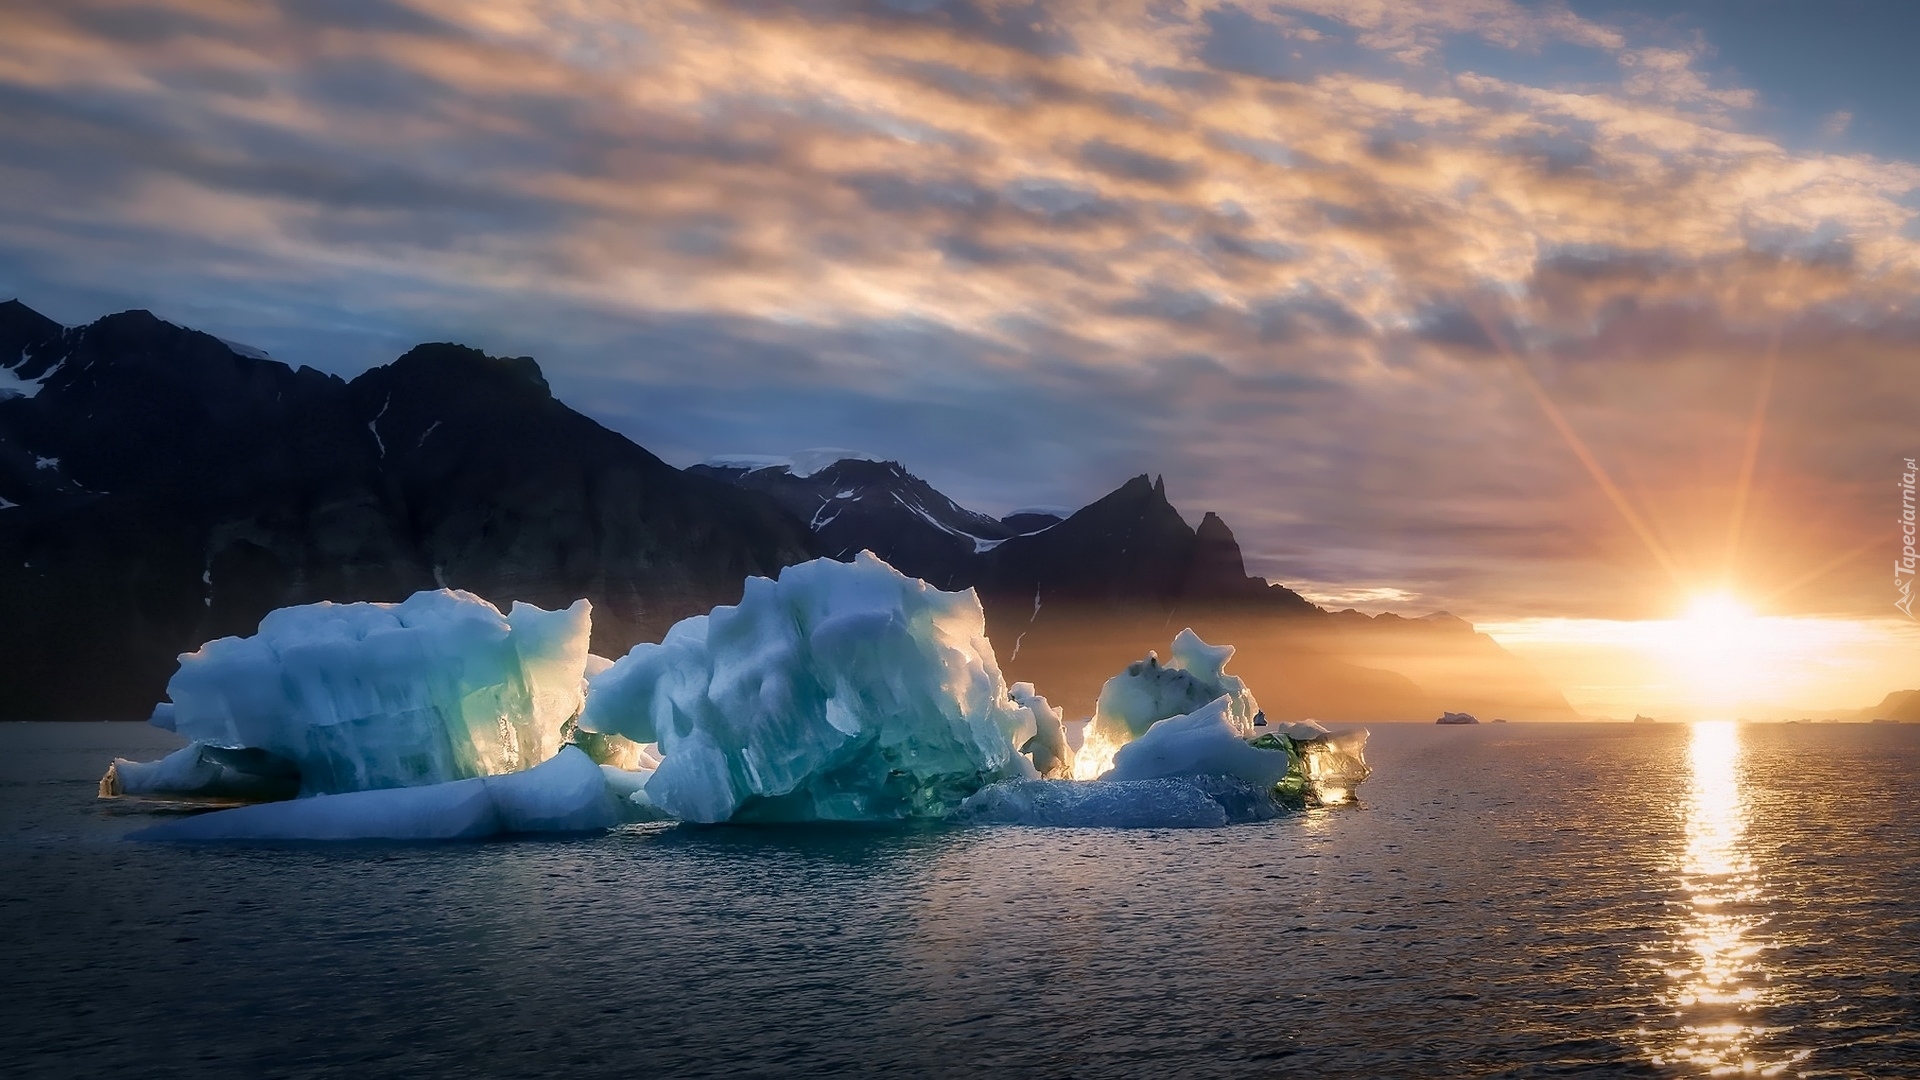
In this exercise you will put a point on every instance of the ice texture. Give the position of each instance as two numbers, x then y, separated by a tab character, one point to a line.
1202	743
1173	802
1335	764
565	794
1049	749
839	691
202	771
364	696
1148	691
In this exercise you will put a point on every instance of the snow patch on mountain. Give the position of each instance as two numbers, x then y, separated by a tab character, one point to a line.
801	463
13	384
241	348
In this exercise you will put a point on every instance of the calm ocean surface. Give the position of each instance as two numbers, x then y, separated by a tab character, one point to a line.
1511	900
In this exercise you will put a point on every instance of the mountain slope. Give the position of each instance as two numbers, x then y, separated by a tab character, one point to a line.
855	504
1132	547
160	489
1902	706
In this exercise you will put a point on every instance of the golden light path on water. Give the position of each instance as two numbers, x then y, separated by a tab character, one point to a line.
1720	983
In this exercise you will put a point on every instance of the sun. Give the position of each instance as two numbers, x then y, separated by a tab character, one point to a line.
1717	644
1717	612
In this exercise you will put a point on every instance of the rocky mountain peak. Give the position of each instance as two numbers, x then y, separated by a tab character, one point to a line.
20	328
448	368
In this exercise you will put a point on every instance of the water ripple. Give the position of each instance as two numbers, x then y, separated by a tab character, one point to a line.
1518	901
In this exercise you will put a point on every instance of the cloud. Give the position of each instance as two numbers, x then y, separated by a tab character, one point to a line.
1292	255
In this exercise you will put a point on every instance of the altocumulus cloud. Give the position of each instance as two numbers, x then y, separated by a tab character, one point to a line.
1300	257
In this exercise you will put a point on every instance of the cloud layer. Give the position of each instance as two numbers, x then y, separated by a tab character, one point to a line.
1421	313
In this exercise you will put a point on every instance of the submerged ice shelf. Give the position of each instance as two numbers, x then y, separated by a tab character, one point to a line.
566	794
836	692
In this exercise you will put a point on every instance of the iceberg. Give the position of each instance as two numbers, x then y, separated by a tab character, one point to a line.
1191	771
1189	718
836	692
1298	765
363	696
1148	691
565	794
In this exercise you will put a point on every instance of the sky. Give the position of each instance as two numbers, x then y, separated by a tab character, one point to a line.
1551	315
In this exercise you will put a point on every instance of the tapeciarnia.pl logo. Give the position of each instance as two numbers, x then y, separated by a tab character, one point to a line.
1904	565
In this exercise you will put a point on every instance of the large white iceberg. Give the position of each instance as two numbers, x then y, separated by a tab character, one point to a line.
566	794
839	691
364	696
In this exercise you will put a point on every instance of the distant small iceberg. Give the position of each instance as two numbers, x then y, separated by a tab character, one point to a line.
1457	718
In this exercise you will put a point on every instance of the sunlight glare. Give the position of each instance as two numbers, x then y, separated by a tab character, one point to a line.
1095	755
1716	642
1719	977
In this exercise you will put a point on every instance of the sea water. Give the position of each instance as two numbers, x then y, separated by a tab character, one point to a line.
1505	900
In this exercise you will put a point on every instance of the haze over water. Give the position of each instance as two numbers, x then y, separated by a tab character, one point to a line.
1512	900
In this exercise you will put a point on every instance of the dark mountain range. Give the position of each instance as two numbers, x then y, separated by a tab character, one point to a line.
1080	600
1074	600
159	488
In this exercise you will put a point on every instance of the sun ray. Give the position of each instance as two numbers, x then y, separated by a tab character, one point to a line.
1750	457
1820	571
1579	448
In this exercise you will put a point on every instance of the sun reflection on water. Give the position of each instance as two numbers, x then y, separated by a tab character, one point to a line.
1720	983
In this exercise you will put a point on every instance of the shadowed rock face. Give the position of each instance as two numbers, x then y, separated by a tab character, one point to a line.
1130	548
169	490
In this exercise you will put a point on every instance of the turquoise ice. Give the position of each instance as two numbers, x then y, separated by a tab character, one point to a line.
362	696
839	691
